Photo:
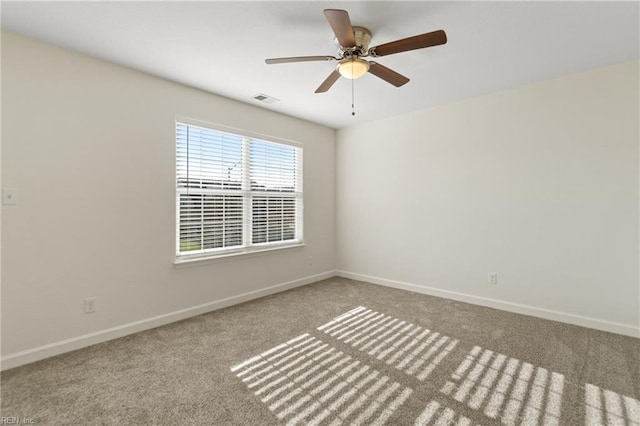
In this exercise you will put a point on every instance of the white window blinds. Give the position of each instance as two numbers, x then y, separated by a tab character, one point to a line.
235	193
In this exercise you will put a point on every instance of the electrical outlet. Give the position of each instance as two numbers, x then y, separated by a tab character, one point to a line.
310	260
492	278
89	305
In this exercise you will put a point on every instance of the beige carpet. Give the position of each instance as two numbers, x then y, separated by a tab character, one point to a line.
340	352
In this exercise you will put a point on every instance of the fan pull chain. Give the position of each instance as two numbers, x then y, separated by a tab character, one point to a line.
353	108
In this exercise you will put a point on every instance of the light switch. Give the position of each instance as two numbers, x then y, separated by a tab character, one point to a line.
9	196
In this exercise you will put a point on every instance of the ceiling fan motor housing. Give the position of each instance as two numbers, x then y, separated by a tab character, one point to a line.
363	38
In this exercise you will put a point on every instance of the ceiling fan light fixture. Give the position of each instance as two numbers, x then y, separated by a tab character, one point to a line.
353	68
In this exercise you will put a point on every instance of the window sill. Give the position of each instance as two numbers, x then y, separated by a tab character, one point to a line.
206	260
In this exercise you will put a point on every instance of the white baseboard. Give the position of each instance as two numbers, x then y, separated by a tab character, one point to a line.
599	324
35	354
31	355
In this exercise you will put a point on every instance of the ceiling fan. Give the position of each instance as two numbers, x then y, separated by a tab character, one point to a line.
354	46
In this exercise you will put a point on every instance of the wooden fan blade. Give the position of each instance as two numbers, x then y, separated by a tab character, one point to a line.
326	85
387	74
341	26
421	41
299	59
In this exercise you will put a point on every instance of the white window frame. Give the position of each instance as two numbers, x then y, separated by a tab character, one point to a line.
248	247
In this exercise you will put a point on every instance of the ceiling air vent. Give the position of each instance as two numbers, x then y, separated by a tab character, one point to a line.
265	98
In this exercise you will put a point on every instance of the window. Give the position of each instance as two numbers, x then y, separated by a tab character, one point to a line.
235	193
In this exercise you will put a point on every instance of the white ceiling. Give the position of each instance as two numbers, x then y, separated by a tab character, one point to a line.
220	47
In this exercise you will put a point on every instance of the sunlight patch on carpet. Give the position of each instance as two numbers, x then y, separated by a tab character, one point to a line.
605	407
306	381
410	348
436	414
507	389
